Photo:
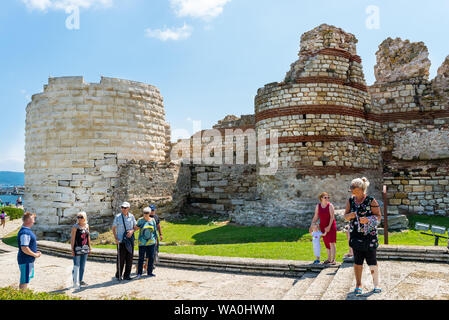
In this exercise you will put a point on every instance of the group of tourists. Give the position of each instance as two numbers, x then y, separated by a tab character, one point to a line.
123	228
150	234
363	215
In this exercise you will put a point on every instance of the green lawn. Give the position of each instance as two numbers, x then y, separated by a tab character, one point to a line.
218	238
204	237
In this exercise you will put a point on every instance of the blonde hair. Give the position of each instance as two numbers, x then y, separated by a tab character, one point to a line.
322	194
361	183
82	213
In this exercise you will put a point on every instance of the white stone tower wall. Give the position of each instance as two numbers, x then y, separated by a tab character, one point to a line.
77	134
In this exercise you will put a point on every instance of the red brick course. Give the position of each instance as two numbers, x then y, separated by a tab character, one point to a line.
326	138
331	170
339	53
310	109
338	81
349	111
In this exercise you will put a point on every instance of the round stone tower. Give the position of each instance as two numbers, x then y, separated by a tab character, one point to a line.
77	135
328	130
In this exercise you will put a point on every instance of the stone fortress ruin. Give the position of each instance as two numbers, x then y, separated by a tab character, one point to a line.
91	146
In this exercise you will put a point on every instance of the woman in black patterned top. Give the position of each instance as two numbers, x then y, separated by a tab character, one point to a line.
363	214
80	248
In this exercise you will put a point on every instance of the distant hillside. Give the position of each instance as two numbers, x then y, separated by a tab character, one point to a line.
9	178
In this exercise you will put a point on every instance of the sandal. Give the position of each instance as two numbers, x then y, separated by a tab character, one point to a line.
377	290
332	263
326	262
358	291
348	255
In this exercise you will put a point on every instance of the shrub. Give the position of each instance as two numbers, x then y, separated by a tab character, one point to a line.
13	213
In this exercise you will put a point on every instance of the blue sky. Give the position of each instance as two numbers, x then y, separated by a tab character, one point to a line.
208	57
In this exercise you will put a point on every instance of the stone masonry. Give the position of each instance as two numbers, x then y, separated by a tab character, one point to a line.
91	146
77	136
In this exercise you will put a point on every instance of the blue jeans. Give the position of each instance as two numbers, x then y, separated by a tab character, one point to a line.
79	263
147	251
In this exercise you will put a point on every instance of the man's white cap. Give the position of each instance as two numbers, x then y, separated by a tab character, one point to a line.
126	205
147	209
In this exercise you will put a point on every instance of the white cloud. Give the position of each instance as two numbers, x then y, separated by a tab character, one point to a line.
205	9
44	5
181	33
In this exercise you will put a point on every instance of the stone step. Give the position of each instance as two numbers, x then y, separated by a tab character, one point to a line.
300	286
413	253
319	285
341	284
284	268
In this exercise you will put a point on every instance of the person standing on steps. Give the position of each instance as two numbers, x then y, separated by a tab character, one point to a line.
325	212
27	253
363	212
123	229
316	242
80	248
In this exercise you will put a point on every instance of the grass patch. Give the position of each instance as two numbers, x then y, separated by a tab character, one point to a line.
11	239
200	236
10	293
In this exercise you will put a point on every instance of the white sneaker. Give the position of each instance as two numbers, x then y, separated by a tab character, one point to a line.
138	277
76	286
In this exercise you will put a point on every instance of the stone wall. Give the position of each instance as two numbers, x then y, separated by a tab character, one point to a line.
76	134
219	189
141	183
232	121
419	187
231	145
328	130
415	126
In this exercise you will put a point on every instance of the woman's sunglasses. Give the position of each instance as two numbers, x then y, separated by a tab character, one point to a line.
80	217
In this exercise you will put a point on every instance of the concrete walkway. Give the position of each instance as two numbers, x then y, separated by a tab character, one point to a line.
400	280
54	274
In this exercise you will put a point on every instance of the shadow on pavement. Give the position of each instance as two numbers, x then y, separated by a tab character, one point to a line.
109	283
365	296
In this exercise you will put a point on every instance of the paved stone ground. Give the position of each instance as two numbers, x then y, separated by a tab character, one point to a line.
53	274
399	280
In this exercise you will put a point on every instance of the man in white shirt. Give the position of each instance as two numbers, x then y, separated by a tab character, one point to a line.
123	226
